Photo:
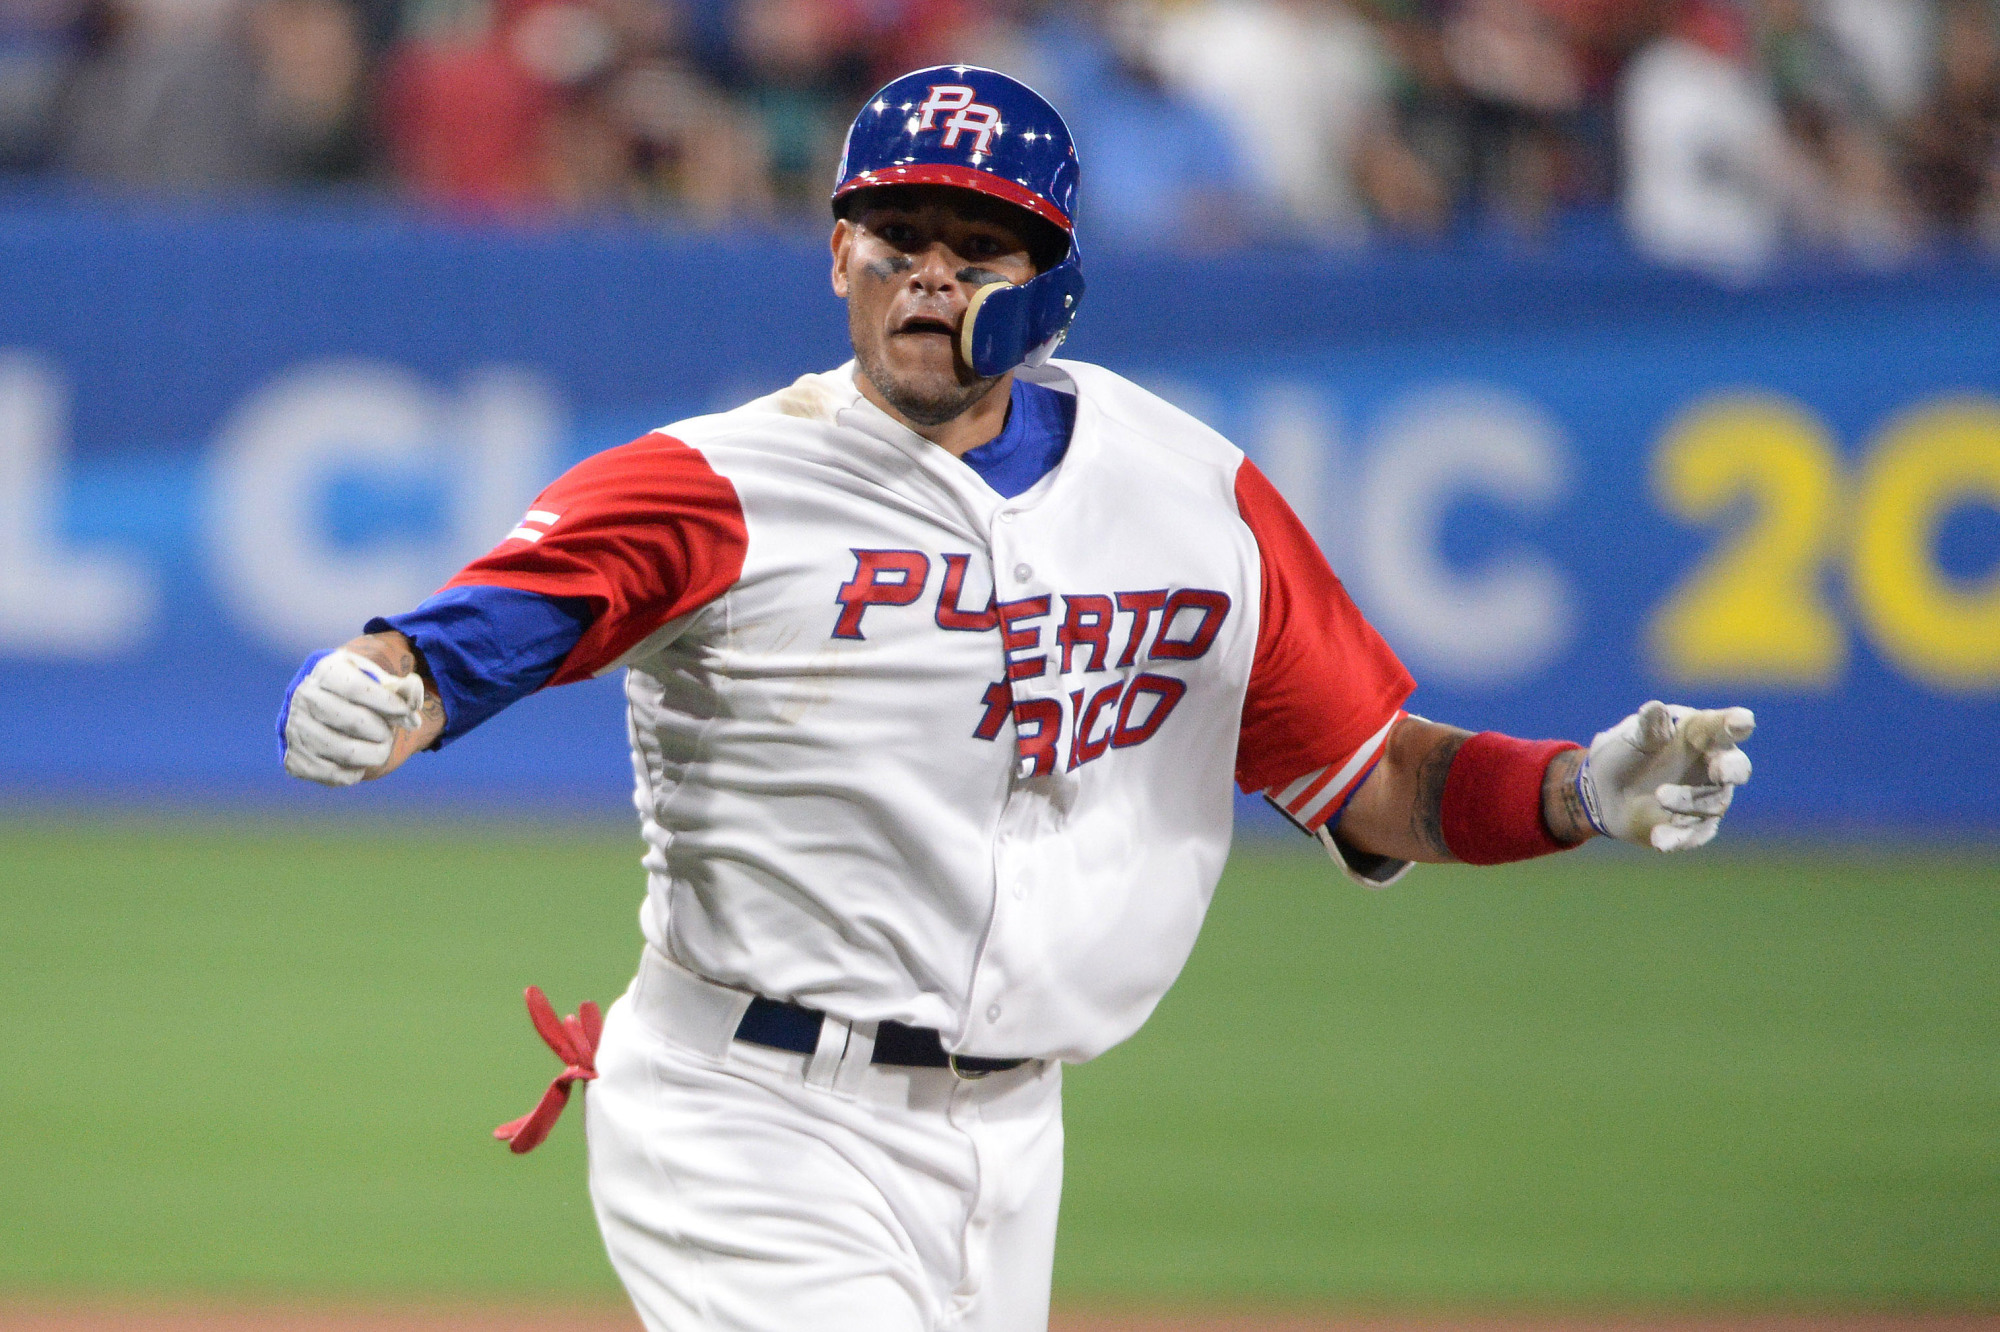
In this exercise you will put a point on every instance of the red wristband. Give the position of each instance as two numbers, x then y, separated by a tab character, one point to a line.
1492	804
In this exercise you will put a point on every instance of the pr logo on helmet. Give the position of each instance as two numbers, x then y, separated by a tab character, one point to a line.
967	116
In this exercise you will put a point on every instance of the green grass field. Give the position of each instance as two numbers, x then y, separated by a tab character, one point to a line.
254	1059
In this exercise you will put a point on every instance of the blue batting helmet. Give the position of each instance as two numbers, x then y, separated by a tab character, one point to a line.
976	129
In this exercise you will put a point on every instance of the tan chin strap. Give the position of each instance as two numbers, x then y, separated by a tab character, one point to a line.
972	316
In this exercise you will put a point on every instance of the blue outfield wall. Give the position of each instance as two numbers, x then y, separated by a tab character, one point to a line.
1561	482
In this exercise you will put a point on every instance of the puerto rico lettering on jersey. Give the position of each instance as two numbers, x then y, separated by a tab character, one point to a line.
1188	619
1096	717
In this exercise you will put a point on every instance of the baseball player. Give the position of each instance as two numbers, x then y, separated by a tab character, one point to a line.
939	667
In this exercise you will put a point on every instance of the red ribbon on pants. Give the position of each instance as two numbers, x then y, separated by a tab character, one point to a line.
574	1039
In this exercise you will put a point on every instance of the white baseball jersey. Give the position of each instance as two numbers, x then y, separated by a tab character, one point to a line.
907	750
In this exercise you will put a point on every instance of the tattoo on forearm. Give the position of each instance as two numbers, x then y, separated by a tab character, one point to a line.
409	742
1562	804
1427	809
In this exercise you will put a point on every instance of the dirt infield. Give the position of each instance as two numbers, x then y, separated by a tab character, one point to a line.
188	1318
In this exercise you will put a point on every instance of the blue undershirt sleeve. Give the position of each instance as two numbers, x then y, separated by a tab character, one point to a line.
487	647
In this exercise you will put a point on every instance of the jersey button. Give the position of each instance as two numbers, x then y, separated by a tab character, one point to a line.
1022	573
993	1013
1007	515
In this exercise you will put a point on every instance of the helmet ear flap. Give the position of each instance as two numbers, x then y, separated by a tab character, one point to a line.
1007	325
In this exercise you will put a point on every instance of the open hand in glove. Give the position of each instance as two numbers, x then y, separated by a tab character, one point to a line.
1664	776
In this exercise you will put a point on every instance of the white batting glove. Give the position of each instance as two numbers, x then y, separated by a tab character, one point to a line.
341	718
1665	775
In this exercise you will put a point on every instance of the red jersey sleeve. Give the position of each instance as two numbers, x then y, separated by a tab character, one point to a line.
1324	688
645	533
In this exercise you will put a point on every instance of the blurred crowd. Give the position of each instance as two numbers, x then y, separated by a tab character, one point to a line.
1721	130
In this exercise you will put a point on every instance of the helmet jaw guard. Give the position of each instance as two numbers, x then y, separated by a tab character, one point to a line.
1006	325
975	129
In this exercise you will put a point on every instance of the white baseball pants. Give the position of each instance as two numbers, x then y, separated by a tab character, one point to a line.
747	1189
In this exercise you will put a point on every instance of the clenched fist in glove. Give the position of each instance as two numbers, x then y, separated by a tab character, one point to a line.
1664	776
340	718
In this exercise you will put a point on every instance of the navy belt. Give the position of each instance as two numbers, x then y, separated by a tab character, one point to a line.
791	1027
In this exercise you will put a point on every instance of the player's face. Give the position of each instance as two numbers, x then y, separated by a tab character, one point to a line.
908	262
